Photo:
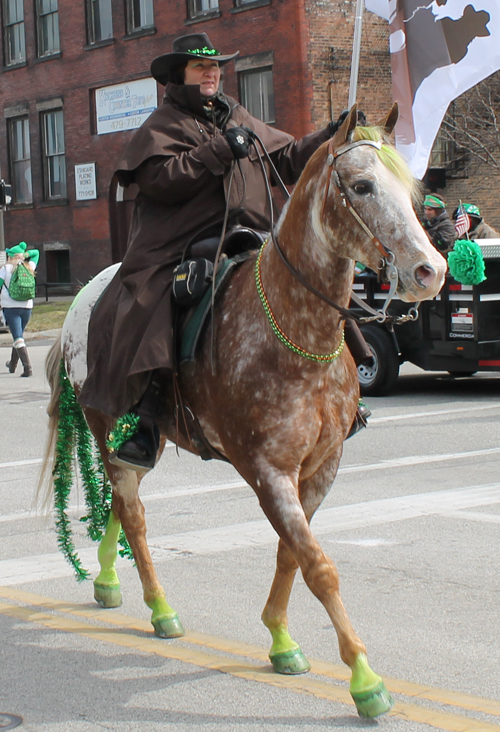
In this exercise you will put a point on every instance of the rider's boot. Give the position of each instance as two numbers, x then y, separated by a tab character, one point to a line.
14	360
360	420
139	451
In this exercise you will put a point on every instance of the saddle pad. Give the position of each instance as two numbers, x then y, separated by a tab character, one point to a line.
197	316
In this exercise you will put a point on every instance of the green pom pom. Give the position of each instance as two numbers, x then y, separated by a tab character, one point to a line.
466	263
125	428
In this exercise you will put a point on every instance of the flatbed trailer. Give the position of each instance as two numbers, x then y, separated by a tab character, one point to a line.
458	331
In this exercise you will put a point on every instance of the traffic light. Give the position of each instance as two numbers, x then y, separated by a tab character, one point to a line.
5	193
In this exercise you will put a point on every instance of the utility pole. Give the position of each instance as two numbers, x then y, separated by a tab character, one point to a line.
5	198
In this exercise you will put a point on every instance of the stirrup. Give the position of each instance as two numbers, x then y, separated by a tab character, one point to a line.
360	420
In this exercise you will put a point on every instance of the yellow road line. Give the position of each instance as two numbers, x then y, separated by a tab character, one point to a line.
301	684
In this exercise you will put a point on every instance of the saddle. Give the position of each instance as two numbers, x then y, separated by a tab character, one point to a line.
190	319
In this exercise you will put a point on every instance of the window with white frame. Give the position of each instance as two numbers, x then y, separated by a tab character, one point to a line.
139	15
99	20
54	154
257	93
47	18
20	160
202	7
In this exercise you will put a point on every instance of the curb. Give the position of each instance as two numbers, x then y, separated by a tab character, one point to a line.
6	338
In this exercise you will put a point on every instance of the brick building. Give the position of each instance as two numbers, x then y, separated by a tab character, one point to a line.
76	81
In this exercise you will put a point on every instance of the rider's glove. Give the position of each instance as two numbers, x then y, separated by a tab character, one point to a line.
239	139
334	126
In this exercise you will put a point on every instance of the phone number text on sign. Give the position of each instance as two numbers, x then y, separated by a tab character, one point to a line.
126	124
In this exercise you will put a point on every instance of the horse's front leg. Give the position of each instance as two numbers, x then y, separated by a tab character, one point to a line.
280	501
128	511
285	654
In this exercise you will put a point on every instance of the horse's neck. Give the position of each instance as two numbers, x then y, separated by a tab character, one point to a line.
301	314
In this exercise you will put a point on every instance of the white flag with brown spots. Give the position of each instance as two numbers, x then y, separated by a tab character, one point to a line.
439	50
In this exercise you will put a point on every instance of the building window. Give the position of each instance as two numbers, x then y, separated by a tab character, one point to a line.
14	44
54	158
257	93
48	27
202	7
20	160
139	15
100	20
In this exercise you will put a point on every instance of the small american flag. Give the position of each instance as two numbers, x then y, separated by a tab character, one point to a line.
462	224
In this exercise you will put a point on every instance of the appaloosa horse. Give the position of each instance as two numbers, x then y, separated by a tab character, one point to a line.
283	394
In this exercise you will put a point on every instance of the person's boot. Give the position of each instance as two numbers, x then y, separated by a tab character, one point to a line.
360	420
14	360
23	355
139	451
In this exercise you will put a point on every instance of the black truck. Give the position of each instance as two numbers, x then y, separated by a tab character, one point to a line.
458	331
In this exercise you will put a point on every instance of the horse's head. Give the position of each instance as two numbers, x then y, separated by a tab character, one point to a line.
364	207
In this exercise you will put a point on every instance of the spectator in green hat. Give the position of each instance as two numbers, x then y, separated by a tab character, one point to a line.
17	312
478	228
437	223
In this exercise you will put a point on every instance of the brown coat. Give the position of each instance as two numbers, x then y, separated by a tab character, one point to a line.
181	163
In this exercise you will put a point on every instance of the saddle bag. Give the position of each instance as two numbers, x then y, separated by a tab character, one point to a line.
191	280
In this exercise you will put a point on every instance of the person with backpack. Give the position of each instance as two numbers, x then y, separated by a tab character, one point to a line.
16	299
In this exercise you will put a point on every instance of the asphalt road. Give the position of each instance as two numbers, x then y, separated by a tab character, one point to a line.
412	523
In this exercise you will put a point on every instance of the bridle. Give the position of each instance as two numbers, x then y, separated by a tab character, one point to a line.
387	257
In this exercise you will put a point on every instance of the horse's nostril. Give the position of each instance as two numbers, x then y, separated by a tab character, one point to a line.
425	275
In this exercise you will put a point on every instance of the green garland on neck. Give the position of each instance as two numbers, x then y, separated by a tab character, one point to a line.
74	436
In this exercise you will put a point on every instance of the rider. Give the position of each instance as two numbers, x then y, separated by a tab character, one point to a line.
182	159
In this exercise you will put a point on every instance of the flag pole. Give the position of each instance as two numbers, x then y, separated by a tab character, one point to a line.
356	52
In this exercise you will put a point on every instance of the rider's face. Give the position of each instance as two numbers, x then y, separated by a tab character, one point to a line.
205	72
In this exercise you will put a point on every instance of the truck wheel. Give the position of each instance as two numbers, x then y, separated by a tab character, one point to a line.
380	378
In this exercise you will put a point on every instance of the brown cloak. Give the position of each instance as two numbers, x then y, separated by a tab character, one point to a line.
181	164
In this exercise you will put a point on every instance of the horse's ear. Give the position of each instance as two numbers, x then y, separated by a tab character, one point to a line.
347	126
388	123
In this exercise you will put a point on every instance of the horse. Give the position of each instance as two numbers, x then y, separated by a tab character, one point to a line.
273	388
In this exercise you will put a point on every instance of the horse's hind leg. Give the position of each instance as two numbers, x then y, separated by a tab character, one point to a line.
107	585
129	512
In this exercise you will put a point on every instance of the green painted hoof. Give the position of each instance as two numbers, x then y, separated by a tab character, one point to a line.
167	626
107	595
374	702
290	662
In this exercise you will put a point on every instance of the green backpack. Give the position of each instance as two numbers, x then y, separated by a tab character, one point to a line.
22	283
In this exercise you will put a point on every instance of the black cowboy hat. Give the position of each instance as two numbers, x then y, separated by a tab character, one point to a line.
195	45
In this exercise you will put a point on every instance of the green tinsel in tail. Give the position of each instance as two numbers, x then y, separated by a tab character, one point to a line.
75	435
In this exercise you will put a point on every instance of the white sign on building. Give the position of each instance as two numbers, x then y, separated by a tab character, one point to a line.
124	107
85	183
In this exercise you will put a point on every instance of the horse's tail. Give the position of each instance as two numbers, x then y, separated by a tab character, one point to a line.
52	371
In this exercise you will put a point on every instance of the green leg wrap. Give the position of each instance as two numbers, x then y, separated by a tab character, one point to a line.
368	690
107	585
164	619
285	655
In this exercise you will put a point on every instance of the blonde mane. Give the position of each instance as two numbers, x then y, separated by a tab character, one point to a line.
390	157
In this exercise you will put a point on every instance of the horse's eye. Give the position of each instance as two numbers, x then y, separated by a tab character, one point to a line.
363	187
